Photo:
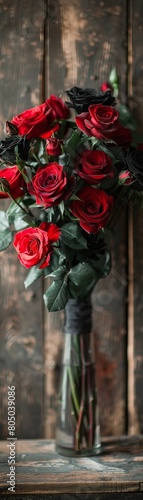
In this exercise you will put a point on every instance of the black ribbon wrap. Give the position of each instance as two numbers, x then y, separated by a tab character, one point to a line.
78	316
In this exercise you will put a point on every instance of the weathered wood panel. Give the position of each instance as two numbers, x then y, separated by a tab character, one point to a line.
21	327
40	470
84	41
137	108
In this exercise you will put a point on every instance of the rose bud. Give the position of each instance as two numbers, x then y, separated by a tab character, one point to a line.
54	147
106	86
126	177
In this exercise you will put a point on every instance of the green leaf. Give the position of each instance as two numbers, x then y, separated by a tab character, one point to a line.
73	141
32	276
58	273
72	236
108	182
94	141
103	148
55	298
3	220
74	197
81	274
56	262
102	265
80	291
5	232
63	159
113	77
41	148
125	117
72	145
14	212
20	224
5	239
61	208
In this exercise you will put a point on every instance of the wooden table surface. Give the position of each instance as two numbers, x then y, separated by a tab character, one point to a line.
117	473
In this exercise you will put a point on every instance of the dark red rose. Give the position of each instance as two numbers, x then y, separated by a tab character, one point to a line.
102	122
59	108
34	244
11	178
121	135
54	147
93	209
106	86
49	185
94	166
35	122
99	121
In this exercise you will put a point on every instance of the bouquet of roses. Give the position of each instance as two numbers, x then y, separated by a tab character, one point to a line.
66	180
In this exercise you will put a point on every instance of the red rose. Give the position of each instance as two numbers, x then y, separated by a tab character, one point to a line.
34	245
99	121
48	185
94	166
59	108
11	178
35	122
54	147
102	122
93	209
121	135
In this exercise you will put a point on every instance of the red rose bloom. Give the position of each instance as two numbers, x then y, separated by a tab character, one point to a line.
13	180
94	166
59	108
99	120
34	245
102	122
48	185
93	209
121	135
53	147
35	122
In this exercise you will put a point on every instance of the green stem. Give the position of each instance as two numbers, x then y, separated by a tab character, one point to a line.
73	389
90	409
81	409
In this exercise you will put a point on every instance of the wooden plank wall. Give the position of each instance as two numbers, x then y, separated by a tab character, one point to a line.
47	47
21	314
136	413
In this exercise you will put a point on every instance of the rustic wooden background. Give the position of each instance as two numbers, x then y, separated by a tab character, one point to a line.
47	47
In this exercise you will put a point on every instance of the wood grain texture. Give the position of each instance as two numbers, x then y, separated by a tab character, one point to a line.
94	496
84	41
21	331
137	278
39	469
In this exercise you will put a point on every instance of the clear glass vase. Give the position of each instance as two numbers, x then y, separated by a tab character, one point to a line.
78	429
